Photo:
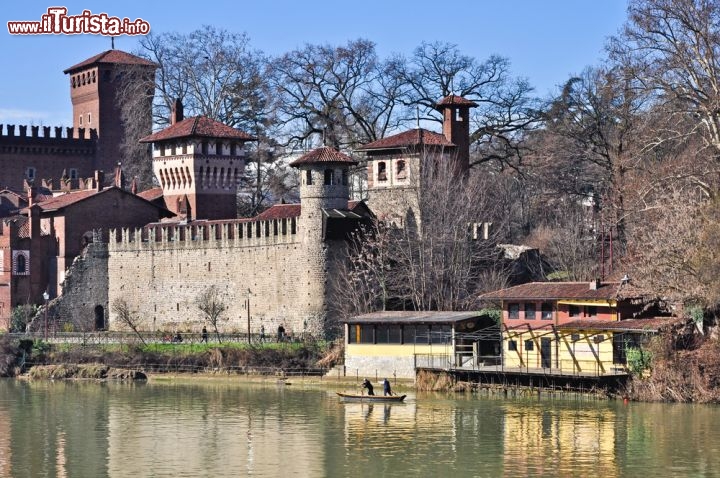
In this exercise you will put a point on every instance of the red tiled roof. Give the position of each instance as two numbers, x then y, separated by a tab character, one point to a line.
111	56
557	291
287	211
413	137
279	211
59	202
151	194
198	126
649	325
325	154
456	100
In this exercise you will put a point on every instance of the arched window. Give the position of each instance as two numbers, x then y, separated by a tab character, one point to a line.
400	170
382	171
21	264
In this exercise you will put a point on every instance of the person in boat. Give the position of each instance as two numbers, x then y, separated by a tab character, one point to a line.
386	387
366	384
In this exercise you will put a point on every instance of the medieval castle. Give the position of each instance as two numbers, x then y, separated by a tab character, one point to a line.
74	235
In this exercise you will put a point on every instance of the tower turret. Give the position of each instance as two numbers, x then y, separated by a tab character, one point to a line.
456	126
198	163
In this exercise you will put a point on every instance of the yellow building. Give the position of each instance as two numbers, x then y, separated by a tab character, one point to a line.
394	344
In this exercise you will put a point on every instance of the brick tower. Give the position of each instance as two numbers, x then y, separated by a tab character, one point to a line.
198	163
94	88
456	126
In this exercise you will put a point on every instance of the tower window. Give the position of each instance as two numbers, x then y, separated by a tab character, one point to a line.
382	171
73	173
30	173
88	119
344	177
308	177
80	120
401	172
329	177
218	148
205	147
233	149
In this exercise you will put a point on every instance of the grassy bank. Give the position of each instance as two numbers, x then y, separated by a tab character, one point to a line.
289	358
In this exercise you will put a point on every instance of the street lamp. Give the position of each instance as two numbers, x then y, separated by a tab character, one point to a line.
248	315
46	296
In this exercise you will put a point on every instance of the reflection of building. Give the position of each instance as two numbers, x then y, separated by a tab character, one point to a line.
5	443
572	327
555	441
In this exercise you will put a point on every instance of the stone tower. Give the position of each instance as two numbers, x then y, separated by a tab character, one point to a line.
199	163
94	88
394	163
324	195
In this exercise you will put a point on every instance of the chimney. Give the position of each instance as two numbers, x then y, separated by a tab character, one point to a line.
119	177
99	179
31	195
595	284
133	185
176	112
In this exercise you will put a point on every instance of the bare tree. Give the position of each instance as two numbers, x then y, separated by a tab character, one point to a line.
342	95
212	303
506	105
214	72
127	318
673	48
134	95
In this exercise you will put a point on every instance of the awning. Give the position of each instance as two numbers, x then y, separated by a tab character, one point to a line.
591	303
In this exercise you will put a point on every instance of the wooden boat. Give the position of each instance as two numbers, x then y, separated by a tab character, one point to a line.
352	397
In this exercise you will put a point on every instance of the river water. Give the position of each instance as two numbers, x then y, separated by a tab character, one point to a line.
220	428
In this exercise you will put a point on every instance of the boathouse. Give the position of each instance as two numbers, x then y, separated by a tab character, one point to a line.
396	343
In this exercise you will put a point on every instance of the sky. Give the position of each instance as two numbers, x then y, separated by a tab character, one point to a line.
546	41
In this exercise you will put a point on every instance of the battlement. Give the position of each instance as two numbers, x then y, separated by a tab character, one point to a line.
237	233
12	132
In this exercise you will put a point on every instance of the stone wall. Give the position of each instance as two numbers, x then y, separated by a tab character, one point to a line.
161	271
381	367
85	291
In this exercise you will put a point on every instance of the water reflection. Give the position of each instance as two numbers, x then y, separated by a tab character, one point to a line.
225	429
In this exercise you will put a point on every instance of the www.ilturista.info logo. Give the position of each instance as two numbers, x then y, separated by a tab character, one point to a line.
57	22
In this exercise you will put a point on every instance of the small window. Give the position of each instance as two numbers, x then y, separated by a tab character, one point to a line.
218	148
546	311
401	172
575	337
184	148
21	267
591	311
382	171
89	119
367	335
233	149
574	311
530	311
513	311
329	177
73	173
308	177
529	345
80	121
344	177
512	345
30	173
599	338
205	147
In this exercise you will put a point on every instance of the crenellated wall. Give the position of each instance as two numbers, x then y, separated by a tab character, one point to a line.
44	153
160	271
